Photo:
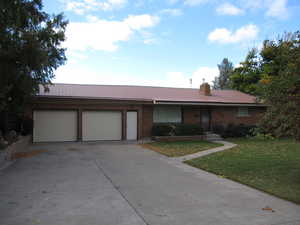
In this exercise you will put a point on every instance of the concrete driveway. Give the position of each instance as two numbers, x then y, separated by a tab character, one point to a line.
123	184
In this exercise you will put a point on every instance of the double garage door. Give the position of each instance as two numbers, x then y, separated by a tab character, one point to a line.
50	125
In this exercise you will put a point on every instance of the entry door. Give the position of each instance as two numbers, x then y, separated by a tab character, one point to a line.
205	120
131	125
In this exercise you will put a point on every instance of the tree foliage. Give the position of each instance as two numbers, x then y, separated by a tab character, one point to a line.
273	75
30	50
246	77
280	85
225	70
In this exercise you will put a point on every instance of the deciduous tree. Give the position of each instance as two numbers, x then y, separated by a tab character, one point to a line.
30	50
245	78
279	86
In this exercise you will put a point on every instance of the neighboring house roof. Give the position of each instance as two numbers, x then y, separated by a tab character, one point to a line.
145	93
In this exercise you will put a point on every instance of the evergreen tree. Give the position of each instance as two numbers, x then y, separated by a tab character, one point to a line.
225	70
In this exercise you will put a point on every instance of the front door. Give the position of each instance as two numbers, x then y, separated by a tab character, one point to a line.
131	130
205	120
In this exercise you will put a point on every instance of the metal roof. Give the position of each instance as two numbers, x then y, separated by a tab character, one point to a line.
145	93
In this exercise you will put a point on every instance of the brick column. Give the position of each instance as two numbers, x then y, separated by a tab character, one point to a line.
79	127
124	124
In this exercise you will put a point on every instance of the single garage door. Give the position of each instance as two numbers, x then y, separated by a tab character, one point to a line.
54	125
101	125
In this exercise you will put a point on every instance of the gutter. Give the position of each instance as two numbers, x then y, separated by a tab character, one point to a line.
89	98
153	101
209	104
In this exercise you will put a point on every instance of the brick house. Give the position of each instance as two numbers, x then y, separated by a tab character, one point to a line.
72	112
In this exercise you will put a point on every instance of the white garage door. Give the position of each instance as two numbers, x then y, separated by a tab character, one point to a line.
101	125
54	125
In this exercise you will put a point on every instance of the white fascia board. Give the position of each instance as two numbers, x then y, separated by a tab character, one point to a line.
210	104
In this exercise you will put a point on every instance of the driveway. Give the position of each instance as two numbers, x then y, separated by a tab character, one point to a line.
123	184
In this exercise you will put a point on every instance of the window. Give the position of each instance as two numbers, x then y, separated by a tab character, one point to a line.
167	114
243	112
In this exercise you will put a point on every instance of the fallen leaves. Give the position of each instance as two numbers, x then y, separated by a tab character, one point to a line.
267	208
27	154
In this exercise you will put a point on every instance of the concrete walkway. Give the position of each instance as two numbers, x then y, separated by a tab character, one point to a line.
124	184
226	145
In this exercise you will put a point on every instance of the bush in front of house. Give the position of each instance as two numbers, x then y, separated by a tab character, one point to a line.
176	129
11	136
27	126
163	129
3	143
233	130
188	129
218	129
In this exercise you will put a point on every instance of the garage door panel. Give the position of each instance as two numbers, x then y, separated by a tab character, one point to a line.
101	125
50	126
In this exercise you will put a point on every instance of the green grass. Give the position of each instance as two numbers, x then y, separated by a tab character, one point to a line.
272	166
180	148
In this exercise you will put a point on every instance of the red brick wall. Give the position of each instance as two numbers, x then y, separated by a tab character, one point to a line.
227	115
147	121
191	115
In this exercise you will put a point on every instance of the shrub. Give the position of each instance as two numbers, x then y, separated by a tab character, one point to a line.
188	129
163	130
233	130
27	126
176	129
261	134
3	143
11	136
218	129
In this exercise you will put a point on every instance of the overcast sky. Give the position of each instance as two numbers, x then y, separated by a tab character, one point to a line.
164	42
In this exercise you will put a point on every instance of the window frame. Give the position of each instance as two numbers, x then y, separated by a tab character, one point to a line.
243	111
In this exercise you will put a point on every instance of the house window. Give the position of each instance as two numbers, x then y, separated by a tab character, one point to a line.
243	112
167	114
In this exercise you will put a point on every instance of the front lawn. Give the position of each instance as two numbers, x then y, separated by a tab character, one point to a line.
272	166
180	148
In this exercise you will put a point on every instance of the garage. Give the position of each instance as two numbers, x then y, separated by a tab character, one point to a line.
101	125
54	125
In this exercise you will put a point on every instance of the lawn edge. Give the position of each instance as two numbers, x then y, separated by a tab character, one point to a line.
156	149
235	180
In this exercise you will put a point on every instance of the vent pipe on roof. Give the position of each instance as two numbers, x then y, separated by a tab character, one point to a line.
205	89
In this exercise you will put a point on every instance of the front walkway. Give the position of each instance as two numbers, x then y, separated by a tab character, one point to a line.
226	145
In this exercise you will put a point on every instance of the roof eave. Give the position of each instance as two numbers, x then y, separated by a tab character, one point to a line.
153	101
91	98
247	104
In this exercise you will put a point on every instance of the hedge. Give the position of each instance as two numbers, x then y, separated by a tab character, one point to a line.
233	130
176	129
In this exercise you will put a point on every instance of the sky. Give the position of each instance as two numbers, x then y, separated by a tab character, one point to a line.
166	43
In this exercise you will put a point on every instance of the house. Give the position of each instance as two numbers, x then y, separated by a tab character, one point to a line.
73	112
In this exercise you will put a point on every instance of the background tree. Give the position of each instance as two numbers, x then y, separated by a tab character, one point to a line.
245	78
30	50
273	75
225	70
279	86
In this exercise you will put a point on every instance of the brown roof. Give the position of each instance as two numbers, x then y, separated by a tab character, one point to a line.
144	93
